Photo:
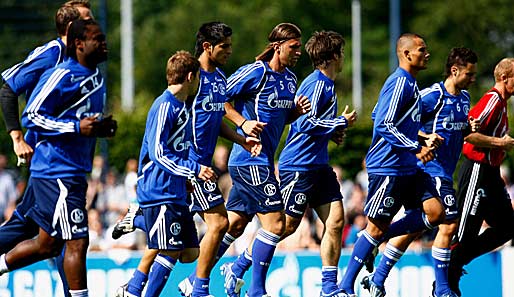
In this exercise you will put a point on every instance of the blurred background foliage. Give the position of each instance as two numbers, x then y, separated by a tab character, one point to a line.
162	27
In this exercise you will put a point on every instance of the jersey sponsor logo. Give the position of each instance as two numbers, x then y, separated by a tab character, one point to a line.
269	202
476	201
300	198
75	229
450	124
209	186
209	105
175	228
291	87
293	210
449	200
270	189
76	79
274	102
77	216
173	242
83	111
389	201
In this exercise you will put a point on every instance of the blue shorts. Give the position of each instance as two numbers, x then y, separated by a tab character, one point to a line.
313	188
60	206
447	193
387	194
170	227
255	189
206	195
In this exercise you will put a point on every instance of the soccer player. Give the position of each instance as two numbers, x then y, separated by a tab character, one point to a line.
264	99
445	107
305	176
22	78
481	192
64	110
394	178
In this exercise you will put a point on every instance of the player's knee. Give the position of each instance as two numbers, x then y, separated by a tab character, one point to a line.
189	255
435	213
448	230
334	225
219	226
236	228
278	228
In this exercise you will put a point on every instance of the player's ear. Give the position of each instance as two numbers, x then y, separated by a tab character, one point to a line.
206	45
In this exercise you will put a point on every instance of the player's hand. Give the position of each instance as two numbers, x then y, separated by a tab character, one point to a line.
206	173
252	128
433	140
338	136
253	145
426	154
21	148
474	124
508	142
350	117
88	126
303	105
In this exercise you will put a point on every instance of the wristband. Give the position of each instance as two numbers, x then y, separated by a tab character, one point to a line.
241	126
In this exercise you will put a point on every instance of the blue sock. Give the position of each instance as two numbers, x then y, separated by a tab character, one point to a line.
159	273
329	279
224	245
137	283
362	248
441	259
79	293
139	222
59	262
389	258
201	287
242	264
414	221
262	253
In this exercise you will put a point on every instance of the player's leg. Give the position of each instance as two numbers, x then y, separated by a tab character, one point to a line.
139	278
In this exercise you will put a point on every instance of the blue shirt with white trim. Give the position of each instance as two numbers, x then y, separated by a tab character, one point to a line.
396	122
63	96
264	95
307	142
163	162
207	113
446	115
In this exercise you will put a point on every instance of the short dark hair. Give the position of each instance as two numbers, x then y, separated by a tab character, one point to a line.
282	32
213	33
322	46
63	17
77	30
459	56
179	65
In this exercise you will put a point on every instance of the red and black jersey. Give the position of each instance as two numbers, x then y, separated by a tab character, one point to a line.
492	112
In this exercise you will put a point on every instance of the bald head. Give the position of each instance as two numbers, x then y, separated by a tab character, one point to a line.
504	69
412	53
406	42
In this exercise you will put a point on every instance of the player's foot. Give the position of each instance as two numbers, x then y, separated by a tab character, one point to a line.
122	292
447	294
374	289
233	284
337	293
126	225
369	263
262	295
185	287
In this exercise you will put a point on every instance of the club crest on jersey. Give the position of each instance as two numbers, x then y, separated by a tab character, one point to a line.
291	87
221	88
77	216
388	201
270	189
209	186
449	200
175	228
300	198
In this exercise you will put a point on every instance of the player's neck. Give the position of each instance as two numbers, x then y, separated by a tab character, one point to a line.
451	87
63	39
179	92
205	63
276	65
500	87
329	72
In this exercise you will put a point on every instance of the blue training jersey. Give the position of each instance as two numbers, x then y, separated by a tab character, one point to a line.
307	142
396	122
207	113
264	95
163	162
63	96
446	115
24	76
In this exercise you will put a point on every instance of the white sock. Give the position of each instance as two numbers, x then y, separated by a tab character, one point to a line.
3	264
79	293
